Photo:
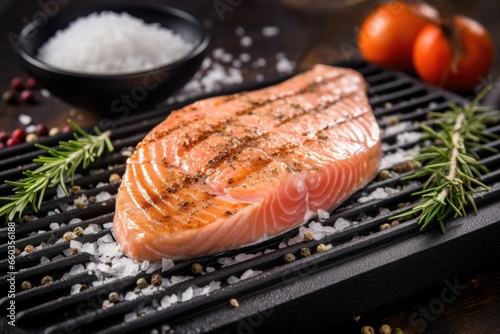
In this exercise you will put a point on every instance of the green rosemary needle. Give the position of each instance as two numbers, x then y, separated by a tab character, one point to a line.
450	165
57	167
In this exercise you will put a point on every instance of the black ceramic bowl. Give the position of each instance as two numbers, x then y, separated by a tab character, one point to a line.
117	94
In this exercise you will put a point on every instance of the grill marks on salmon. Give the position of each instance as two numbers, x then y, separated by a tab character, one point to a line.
230	171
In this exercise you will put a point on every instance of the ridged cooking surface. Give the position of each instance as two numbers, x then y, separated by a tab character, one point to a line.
51	308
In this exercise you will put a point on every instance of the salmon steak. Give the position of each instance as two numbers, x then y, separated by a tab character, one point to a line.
233	170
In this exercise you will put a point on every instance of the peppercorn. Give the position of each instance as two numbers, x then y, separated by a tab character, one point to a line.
74	251
141	283
19	133
17	83
83	287
114	297
2	145
395	223
79	203
29	249
233	302
41	130
25	219
393	120
4	136
17	251
385	329
67	128
114	178
27	96
9	97
31	83
25	285
196	268
384	174
305	252
54	131
78	231
68	236
31	138
289	258
398	331
156	280
13	141
321	248
367	330
46	280
384	227
92	199
76	189
308	236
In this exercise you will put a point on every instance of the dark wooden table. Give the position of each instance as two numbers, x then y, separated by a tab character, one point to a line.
310	32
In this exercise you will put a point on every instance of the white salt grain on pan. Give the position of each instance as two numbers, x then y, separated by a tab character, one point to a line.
270	31
246	41
409	137
109	42
187	295
103	196
322	214
24	119
54	226
166	264
341	223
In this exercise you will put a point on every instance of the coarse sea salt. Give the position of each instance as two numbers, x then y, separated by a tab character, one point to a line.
109	42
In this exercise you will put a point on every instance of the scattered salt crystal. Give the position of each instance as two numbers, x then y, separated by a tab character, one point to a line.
322	214
270	31
130	295
397	128
103	196
240	31
409	137
77	269
145	265
267	251
75	244
178	279
243	257
283	65
157	265
232	279
59	193
91	229
130	317
44	259
226	261
74	221
379	193
107	225
54	226
166	264
210	269
281	245
75	288
187	295
259	77
341	223
24	119
249	273
44	92
58	257
392	159
31	128
246	41
105	239
244	57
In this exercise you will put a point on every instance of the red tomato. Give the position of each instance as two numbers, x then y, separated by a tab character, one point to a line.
432	55
387	34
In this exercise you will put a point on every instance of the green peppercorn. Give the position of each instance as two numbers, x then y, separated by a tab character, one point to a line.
29	248
76	189
79	203
142	283
367	330
321	248
46	280
398	331
68	236
384	174
25	285
78	231
385	329
289	258
114	178
305	252
308	236
196	268
384	227
395	223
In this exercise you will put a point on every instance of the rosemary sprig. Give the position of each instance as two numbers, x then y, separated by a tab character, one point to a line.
60	165
450	164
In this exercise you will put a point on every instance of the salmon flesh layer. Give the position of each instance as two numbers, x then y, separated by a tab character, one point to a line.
233	170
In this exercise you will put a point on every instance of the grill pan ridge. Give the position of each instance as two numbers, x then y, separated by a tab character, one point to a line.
311	293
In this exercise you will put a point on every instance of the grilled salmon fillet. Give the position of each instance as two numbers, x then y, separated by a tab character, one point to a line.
233	170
